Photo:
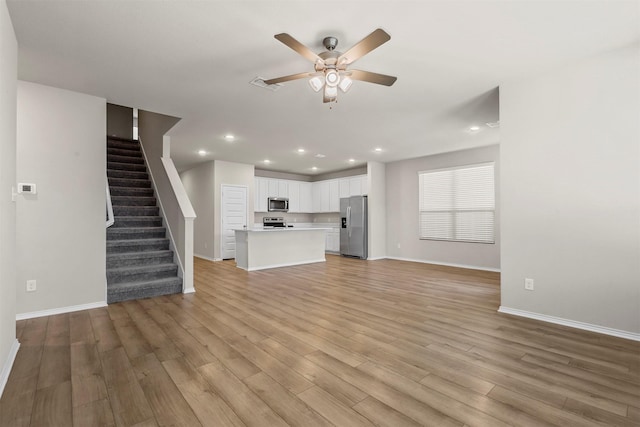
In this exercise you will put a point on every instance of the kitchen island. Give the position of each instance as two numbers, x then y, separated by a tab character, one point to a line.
262	248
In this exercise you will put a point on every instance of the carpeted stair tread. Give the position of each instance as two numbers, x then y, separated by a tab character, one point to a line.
136	210
131	192
124	152
115	173
141	272
129	233
123	145
141	245
126	166
143	289
125	159
128	182
119	260
132	201
121	139
112	143
137	221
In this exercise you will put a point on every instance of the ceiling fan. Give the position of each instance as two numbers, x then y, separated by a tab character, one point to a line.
331	70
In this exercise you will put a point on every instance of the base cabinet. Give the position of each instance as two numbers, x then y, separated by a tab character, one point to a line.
333	240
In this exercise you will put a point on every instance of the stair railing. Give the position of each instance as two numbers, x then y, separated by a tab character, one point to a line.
110	219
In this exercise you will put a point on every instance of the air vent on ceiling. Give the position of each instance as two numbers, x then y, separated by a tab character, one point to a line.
259	81
494	124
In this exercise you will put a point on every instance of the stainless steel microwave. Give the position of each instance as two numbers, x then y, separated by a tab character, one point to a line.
278	204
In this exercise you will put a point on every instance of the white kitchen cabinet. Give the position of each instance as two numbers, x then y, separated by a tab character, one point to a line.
364	185
309	197
324	196
283	188
294	196
333	240
315	197
343	184
261	194
273	187
306	204
334	196
320	196
355	186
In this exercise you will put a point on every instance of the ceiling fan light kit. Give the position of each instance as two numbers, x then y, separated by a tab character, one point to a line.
331	66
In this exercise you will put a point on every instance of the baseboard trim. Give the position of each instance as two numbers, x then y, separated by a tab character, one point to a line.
189	291
8	364
61	310
376	258
571	323
265	267
207	258
446	264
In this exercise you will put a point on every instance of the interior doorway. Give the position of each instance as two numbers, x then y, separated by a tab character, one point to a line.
234	215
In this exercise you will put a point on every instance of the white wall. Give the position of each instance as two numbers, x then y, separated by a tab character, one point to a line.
8	85
230	173
60	230
570	156
377	208
402	213
199	182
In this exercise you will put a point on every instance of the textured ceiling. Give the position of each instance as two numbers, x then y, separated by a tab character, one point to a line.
195	59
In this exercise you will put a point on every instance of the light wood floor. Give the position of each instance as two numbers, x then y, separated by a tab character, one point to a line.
344	343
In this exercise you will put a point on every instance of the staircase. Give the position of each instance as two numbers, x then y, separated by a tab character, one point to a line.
139	261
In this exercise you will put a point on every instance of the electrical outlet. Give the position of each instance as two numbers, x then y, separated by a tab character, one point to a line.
528	284
398	245
31	285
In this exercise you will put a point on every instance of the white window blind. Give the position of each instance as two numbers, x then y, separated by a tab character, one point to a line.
458	204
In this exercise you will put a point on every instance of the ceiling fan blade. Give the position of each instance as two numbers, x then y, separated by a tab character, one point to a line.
288	78
364	46
368	76
298	47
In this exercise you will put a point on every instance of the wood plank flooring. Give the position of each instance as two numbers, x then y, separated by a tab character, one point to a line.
343	343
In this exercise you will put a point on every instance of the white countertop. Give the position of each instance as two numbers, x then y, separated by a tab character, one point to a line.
281	229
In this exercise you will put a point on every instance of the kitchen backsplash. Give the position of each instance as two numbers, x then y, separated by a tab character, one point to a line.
332	217
293	218
288	217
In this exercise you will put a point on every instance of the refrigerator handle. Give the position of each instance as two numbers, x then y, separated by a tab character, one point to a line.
349	219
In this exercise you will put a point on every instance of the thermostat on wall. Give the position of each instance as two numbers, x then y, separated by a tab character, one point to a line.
26	188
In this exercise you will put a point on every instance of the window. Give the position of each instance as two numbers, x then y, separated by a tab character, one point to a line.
458	204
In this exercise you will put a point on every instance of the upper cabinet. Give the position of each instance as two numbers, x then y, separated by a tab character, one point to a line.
309	197
306	200
261	194
294	196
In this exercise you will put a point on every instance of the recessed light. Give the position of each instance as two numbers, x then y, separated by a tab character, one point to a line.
300	150
314	168
352	160
229	137
266	161
377	150
474	128
202	153
320	156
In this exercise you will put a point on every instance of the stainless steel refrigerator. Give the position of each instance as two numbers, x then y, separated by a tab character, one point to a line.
353	230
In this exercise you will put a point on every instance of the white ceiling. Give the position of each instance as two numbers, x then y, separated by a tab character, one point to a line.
195	59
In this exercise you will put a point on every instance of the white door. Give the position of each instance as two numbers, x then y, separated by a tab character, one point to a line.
234	216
